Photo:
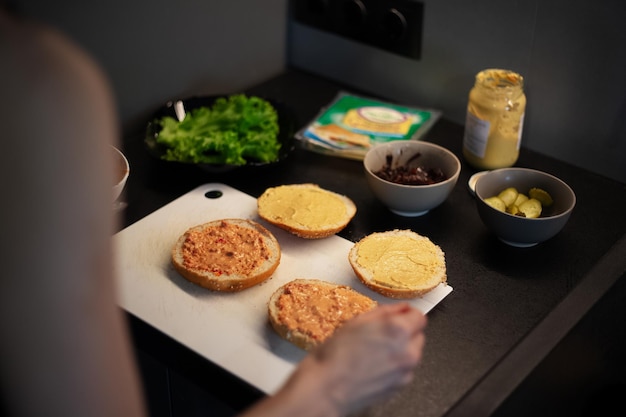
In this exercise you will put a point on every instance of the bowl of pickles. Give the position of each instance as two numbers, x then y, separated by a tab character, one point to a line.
523	207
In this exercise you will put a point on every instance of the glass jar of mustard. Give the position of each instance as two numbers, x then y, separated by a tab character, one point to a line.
495	117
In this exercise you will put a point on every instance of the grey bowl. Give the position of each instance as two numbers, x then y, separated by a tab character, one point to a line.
411	200
521	231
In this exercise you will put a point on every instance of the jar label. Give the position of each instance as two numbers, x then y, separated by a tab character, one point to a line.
476	135
519	130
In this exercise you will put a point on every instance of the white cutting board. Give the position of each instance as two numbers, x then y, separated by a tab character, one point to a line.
230	329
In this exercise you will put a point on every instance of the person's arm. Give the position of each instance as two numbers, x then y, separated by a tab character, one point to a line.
64	350
365	361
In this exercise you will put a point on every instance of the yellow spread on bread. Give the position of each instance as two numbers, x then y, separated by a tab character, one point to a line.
307	206
400	261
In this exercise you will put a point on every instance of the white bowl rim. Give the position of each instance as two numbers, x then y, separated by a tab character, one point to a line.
126	163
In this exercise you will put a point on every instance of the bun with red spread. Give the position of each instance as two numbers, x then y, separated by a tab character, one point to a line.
398	263
306	210
226	255
307	311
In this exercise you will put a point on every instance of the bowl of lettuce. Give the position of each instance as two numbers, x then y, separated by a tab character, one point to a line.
221	133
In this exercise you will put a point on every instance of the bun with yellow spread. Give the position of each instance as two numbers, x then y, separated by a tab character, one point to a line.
307	311
226	255
306	210
398	263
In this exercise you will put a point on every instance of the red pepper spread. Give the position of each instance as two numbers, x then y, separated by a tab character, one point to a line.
225	249
318	310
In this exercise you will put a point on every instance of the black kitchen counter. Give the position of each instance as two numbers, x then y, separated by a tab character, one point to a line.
511	308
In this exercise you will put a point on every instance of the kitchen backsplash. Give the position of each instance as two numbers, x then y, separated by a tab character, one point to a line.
572	55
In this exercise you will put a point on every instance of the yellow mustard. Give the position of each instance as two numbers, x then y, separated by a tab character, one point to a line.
307	207
400	262
495	117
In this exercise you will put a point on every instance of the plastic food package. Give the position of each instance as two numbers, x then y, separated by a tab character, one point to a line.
350	125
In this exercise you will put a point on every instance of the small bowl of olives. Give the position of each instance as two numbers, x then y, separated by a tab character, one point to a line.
411	177
522	206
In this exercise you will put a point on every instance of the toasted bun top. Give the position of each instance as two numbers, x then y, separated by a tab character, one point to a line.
306	210
226	255
398	263
307	311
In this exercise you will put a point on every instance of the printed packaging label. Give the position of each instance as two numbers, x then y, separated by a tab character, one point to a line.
350	125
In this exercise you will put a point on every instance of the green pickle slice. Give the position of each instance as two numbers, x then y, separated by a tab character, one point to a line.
512	209
496	203
508	196
520	199
543	196
513	202
530	208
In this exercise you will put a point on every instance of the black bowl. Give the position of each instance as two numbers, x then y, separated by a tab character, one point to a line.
521	231
177	109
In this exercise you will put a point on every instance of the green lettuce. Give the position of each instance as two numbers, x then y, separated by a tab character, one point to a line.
235	130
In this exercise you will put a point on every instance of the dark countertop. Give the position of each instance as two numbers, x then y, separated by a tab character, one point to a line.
510	306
